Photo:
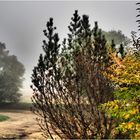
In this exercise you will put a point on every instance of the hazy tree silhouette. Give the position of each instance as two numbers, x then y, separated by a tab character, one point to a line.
69	82
11	76
117	36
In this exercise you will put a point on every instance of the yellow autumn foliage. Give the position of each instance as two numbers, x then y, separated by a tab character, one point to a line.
125	74
134	111
125	71
127	116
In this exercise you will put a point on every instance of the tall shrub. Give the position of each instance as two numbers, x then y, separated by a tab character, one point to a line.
69	83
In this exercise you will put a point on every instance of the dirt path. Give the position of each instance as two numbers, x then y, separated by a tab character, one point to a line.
21	125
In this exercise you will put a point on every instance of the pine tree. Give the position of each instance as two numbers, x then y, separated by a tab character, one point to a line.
70	85
74	27
44	78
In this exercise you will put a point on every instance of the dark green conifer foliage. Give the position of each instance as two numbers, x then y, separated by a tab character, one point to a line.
121	51
136	39
138	15
113	46
74	27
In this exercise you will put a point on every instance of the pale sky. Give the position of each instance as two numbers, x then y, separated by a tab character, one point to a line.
22	24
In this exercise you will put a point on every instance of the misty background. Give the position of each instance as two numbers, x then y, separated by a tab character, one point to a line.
22	24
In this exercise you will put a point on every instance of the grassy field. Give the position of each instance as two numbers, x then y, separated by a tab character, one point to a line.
3	118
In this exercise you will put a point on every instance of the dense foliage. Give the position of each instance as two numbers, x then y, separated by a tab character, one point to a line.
11	76
125	74
126	77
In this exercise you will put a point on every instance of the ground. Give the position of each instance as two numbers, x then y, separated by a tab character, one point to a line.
21	125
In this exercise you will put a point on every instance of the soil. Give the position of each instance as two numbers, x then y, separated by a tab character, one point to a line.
21	125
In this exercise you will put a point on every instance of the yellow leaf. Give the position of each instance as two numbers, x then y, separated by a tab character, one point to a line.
126	116
130	125
134	111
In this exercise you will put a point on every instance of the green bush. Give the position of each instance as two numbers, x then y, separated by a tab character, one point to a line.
3	118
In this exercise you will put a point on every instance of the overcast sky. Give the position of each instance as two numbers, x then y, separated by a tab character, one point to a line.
22	23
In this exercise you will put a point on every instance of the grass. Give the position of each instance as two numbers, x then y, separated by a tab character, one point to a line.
3	118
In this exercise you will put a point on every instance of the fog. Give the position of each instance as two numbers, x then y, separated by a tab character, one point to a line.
22	23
